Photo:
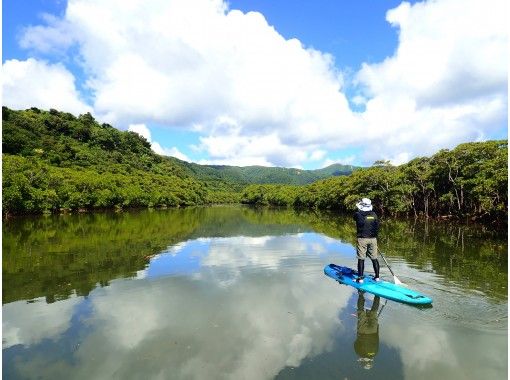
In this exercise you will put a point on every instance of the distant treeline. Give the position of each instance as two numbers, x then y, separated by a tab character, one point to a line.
55	162
266	175
468	181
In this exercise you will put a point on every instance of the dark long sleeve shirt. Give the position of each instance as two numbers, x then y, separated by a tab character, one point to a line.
367	224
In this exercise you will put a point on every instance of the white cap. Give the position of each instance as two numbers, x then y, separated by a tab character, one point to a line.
364	205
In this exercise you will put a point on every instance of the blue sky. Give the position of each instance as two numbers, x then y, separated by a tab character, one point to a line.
280	83
346	29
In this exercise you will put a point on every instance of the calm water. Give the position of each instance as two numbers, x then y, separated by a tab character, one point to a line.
236	293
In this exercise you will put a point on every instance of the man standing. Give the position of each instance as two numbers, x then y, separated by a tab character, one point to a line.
367	228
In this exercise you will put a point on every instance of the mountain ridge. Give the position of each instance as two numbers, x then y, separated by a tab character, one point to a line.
258	174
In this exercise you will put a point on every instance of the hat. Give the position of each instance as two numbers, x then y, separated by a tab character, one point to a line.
364	205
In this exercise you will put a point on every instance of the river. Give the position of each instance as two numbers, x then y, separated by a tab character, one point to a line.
231	292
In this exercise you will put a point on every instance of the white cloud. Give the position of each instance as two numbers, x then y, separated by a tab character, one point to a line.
435	62
257	98
318	155
158	148
446	83
237	161
144	131
173	151
34	83
234	148
359	100
141	129
190	63
56	36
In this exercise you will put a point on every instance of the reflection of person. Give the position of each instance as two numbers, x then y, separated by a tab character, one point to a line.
367	228
367	337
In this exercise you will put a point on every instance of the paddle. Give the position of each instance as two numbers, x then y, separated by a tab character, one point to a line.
395	278
380	311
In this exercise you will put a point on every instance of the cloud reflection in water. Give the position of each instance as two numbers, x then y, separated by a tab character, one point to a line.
211	308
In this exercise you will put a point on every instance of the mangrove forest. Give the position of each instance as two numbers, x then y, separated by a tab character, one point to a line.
55	162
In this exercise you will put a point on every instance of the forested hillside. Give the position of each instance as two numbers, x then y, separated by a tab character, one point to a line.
468	181
54	161
264	174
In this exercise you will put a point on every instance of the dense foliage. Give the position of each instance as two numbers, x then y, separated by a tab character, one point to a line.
470	180
54	161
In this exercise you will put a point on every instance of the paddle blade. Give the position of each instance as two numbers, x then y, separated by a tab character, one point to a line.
397	281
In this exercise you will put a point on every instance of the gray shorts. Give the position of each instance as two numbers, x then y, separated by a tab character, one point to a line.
366	246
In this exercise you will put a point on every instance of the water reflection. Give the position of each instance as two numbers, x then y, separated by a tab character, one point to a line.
28	324
230	293
58	256
367	333
217	321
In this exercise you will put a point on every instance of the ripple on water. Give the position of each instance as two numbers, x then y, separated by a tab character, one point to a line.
453	302
468	308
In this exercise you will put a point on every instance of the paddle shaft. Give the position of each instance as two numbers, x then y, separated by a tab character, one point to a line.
395	278
380	311
388	265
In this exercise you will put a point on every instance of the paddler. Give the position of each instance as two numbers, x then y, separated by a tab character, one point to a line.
367	228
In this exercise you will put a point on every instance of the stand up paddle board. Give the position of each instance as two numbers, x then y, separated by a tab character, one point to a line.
380	288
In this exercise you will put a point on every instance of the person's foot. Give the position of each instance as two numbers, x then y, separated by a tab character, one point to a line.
359	280
377	279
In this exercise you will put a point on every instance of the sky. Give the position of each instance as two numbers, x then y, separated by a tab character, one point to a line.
276	83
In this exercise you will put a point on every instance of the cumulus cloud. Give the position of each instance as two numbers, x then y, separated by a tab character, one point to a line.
198	63
34	83
144	131
236	148
173	151
318	155
258	98
53	38
434	63
141	129
445	84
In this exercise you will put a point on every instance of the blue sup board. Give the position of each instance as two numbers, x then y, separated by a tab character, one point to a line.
381	288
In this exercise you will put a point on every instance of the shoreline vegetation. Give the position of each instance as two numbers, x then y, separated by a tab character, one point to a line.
55	162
